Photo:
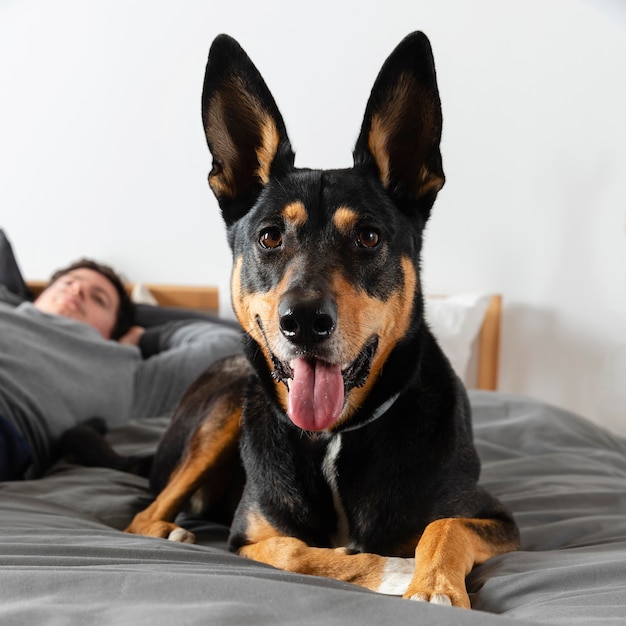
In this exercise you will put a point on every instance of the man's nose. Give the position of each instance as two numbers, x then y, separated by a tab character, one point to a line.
76	288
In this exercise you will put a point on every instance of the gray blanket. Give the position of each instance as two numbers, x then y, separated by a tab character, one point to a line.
63	559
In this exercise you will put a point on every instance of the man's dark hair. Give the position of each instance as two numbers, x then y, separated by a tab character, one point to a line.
126	312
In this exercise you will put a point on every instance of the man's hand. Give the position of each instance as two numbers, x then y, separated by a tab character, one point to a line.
133	335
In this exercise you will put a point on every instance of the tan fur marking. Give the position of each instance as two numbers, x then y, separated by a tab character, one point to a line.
258	528
296	214
429	183
200	458
292	555
446	554
264	305
377	143
361	315
345	219
267	150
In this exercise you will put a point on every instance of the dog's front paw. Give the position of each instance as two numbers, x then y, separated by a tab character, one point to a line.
433	598
447	597
181	535
161	530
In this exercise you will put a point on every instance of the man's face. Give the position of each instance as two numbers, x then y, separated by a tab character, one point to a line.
84	295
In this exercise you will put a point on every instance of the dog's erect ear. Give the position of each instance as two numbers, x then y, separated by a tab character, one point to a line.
402	126
244	129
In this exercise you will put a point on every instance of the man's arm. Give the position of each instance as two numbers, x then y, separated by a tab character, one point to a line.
175	354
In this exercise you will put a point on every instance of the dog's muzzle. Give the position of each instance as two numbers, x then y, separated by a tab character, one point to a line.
316	380
317	389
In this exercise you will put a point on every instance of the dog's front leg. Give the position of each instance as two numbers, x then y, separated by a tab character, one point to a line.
447	552
214	442
388	575
156	519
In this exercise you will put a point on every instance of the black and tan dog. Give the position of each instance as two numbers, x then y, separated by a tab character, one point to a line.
354	432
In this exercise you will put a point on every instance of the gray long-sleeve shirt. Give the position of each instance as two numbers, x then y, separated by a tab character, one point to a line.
56	372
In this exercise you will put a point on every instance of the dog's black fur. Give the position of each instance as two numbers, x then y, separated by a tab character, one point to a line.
355	431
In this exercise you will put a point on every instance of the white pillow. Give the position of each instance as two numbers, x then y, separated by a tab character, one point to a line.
142	295
455	321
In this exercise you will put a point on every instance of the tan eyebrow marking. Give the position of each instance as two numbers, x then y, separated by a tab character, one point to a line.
295	213
345	219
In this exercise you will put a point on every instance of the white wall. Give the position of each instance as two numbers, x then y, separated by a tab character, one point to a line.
102	152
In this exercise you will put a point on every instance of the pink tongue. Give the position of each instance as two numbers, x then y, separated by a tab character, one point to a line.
316	394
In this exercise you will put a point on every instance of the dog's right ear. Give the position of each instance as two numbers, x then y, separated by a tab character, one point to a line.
244	129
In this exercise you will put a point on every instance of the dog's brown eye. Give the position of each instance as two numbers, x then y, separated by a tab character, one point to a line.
368	238
271	238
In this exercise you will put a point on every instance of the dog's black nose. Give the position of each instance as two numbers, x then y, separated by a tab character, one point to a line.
307	321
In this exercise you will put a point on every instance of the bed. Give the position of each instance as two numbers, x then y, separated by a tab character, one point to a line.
64	559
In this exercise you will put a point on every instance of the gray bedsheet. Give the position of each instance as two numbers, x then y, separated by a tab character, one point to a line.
63	559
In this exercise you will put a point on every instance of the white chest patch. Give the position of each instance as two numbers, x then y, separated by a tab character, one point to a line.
341	537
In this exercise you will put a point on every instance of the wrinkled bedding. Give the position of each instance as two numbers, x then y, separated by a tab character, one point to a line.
63	559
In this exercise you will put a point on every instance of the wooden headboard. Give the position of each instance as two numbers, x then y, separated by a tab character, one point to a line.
489	346
186	297
207	299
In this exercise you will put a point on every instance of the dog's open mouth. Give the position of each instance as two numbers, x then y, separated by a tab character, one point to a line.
317	389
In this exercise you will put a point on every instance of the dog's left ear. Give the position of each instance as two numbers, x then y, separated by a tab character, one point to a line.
401	130
244	129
